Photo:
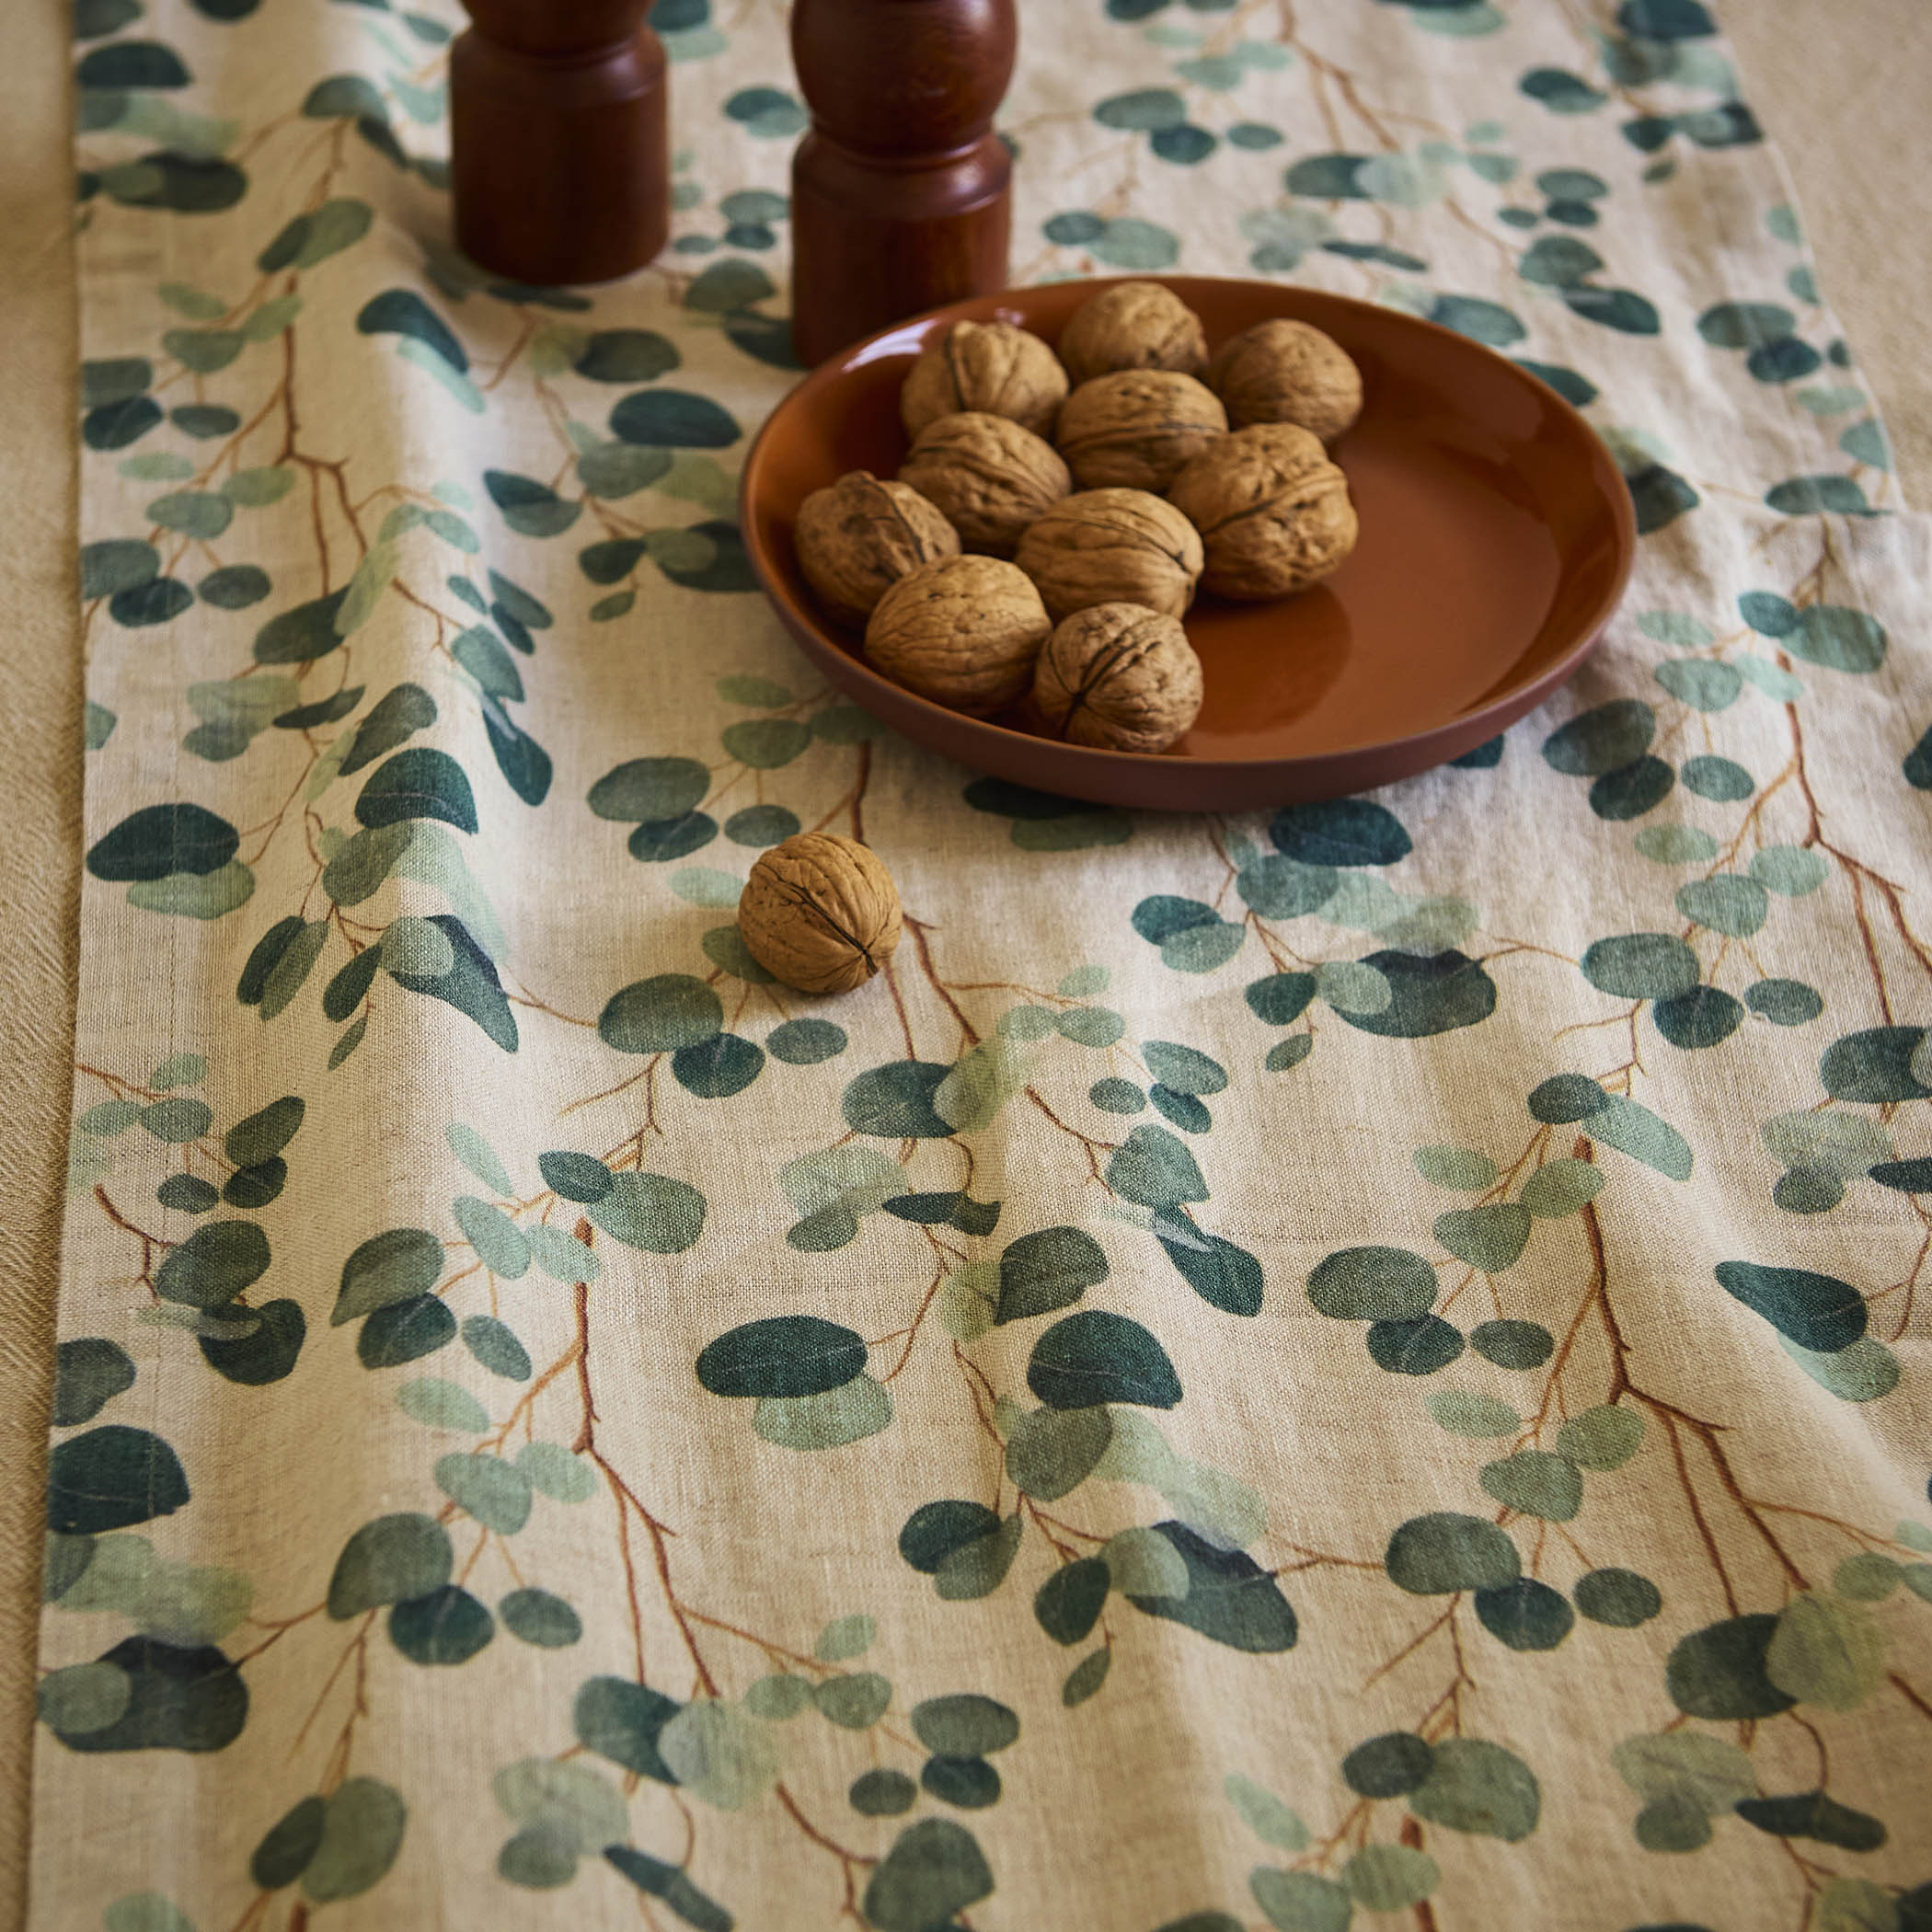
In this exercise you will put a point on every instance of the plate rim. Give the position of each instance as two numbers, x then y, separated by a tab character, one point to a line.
1499	712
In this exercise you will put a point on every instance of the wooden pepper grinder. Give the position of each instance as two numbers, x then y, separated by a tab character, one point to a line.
900	192
560	150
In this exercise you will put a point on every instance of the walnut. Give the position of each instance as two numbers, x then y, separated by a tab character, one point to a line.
989	476
819	913
1134	325
1112	547
964	632
1119	675
984	365
1287	372
1134	430
858	537
1272	511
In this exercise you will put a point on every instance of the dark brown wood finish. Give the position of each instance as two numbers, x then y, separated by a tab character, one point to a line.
900	190
560	148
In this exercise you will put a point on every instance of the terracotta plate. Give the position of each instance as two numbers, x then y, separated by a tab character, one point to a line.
1497	537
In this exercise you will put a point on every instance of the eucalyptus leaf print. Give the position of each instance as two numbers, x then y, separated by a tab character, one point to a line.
1289	1323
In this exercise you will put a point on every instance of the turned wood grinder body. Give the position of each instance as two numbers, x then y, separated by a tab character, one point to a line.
559	139
900	192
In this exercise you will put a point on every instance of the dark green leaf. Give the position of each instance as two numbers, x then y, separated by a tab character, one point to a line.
530	507
970	1783
1373	1284
420	783
1621	1598
403	311
1811	1814
1052	1268
1229	1599
1641	966
1427	995
935	1870
187	1192
672	1886
651	1212
446	1627
398	716
1414	1348
622	1721
1343	831
1817	1311
895	1101
882	1794
235	588
661	1014
285	1849
625	355
719	1068
117	564
1512	1344
265	956
253	1187
1223	1275
266	1353
182	183
109	1479
1874	1066
782	1355
163	839
1389	1765
674	418
1526	1614
1155	1169
524	763
1719	1672
1474	1786
1280	999
213	1265
263	1135
1068	1604
1096	1356
1433	1554
303	634
404	1332
1604	739
1052	1451
395	1266
177	1700
1631	791
89	1374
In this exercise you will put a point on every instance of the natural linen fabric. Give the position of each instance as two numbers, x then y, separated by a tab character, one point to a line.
1456	1451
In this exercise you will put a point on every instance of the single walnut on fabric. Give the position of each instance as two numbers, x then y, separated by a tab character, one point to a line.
858	537
1119	675
984	365
1272	511
964	632
1287	372
1112	547
1136	325
989	476
819	913
1136	430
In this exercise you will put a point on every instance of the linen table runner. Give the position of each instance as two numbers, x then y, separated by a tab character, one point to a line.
1364	1365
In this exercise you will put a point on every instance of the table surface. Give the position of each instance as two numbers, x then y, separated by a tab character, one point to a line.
1838	82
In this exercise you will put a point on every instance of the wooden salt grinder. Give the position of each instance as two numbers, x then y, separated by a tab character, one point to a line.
900	190
561	152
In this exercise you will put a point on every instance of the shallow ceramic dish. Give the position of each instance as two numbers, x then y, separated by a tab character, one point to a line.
1497	537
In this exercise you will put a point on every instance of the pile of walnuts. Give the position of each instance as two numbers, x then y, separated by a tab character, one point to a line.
1056	513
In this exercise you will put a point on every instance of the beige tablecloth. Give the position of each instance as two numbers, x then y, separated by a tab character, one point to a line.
1840	83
